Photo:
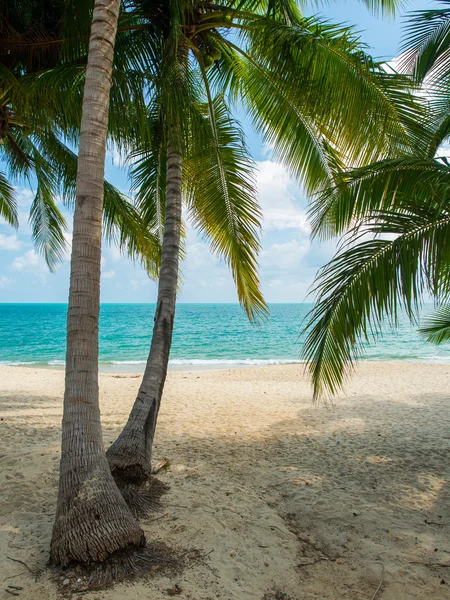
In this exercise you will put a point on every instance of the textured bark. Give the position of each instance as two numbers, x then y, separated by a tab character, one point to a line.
130	455
92	519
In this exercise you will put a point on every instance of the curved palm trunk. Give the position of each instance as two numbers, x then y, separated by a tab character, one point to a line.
92	520
130	455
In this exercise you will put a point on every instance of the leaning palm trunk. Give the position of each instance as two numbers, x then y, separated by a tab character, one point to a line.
92	519
130	455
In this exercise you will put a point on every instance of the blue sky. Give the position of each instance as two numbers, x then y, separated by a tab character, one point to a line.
288	259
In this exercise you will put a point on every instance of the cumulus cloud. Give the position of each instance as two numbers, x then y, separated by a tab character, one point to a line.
9	242
108	274
28	262
199	257
284	257
5	282
115	254
24	197
281	199
137	284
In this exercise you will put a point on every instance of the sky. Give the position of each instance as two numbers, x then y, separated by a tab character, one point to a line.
288	259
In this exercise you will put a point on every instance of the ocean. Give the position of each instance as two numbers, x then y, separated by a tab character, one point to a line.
205	335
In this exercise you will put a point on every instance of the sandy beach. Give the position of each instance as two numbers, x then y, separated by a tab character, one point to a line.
341	502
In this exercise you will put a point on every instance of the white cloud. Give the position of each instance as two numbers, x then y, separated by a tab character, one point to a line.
280	199
28	262
118	158
108	274
137	284
443	150
115	254
9	242
284	257
24	197
5	282
199	257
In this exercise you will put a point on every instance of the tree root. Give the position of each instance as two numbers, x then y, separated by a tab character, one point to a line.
21	562
120	566
429	564
145	498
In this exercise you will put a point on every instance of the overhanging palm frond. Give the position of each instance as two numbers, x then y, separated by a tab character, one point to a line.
368	283
377	187
436	327
222	200
122	225
336	78
387	8
26	161
47	223
8	204
285	124
426	44
148	172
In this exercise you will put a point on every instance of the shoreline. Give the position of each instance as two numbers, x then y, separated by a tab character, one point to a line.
217	364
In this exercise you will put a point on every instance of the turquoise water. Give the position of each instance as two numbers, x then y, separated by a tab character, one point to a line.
205	334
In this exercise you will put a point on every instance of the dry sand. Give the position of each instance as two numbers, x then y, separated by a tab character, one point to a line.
285	496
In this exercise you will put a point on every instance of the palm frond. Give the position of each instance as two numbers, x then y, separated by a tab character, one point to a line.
436	327
8	204
123	226
376	187
285	124
368	283
220	188
47	223
339	83
426	44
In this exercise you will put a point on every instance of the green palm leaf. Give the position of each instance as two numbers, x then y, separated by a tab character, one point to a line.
8	204
426	43
376	187
368	282
47	223
222	200
436	327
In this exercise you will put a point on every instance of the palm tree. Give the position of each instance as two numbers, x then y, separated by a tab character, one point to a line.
397	216
40	109
305	84
92	519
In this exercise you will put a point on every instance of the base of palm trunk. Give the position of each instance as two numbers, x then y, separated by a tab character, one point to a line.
129	461
93	525
120	566
145	498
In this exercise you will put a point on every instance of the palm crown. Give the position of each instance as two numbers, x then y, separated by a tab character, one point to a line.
304	84
42	63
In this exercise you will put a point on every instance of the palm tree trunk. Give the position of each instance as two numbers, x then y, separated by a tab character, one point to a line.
92	520
130	455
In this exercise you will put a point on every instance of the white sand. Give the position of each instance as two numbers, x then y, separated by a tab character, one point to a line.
287	496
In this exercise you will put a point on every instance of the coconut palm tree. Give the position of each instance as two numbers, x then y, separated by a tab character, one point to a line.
42	75
92	519
396	213
306	86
